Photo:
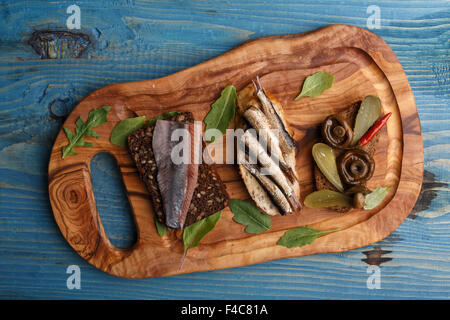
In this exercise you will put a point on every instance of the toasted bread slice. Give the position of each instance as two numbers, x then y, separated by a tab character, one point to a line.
246	98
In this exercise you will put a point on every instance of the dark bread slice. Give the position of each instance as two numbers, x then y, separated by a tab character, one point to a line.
209	196
348	114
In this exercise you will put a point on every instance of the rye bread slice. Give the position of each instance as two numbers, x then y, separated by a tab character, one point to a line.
348	114
209	196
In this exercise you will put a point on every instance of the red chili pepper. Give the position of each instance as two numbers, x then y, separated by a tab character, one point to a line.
374	130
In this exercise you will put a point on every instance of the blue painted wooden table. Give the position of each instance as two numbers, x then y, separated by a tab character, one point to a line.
138	40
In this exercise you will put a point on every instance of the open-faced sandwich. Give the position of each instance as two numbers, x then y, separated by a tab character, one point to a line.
182	192
266	152
344	160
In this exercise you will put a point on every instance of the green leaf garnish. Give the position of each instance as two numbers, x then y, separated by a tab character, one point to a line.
124	128
160	227
316	84
84	129
301	236
161	117
247	214
374	198
222	111
195	232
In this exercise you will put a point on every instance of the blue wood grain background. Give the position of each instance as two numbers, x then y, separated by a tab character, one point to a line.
138	40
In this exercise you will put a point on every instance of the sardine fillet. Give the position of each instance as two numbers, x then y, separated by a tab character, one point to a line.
245	100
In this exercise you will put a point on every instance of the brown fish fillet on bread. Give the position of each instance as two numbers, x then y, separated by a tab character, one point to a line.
209	196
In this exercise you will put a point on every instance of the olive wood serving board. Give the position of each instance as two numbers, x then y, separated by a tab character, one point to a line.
362	63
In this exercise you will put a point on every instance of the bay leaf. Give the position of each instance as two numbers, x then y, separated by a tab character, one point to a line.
222	111
161	117
124	128
247	214
301	236
374	198
316	84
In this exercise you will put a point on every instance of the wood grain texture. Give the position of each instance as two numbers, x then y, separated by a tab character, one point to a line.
362	63
34	255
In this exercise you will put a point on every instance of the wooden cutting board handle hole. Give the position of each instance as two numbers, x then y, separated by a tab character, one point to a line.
74	206
114	208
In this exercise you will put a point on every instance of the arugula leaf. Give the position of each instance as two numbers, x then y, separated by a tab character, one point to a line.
84	129
195	232
374	198
124	128
247	214
301	236
316	84
222	111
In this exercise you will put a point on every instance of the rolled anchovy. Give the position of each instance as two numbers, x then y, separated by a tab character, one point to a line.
273	170
257	119
275	194
274	116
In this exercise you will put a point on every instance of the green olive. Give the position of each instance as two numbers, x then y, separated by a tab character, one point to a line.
326	161
327	198
368	113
